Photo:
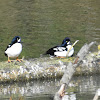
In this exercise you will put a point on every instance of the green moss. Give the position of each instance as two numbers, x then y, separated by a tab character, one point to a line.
13	65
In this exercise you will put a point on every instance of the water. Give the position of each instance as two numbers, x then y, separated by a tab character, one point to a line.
83	88
43	24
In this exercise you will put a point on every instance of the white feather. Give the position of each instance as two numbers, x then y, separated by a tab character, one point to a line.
14	50
63	52
59	49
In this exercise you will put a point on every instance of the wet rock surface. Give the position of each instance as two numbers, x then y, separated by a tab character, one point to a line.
89	65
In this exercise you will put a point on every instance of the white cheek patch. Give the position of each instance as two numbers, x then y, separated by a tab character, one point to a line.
19	40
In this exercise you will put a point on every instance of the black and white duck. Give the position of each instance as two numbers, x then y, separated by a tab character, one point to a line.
65	49
14	49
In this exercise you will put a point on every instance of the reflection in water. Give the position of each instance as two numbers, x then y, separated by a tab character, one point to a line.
70	97
31	88
88	84
46	89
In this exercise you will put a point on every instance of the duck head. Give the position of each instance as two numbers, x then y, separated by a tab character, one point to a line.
66	41
16	39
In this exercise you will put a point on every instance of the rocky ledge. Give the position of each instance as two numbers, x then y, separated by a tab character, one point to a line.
45	67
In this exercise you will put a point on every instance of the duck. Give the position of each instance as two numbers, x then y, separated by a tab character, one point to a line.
63	50
14	49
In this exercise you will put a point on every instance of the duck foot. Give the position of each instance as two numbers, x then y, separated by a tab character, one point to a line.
9	61
60	57
19	60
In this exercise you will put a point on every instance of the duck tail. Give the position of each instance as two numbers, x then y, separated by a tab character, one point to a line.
5	54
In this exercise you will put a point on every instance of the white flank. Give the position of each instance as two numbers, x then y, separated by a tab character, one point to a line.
64	53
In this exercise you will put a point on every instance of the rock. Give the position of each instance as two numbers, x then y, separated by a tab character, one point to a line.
46	67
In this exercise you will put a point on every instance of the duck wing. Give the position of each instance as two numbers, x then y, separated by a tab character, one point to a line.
60	49
51	51
54	49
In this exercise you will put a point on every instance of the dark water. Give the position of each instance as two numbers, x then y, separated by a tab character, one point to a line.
84	88
43	24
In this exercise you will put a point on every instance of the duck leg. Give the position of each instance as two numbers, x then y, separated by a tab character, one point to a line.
9	60
19	60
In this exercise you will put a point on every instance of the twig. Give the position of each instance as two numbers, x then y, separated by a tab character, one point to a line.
97	95
72	46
